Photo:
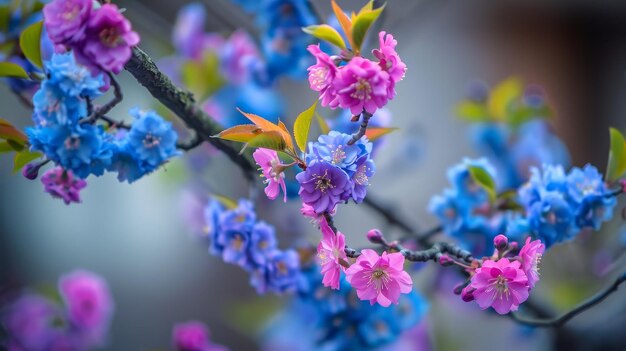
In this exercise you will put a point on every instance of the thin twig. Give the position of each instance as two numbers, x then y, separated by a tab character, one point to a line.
561	320
117	98
115	123
365	119
193	142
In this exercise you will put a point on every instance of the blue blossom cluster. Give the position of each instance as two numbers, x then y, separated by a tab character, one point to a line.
464	210
559	205
332	320
63	133
237	236
282	40
336	171
513	150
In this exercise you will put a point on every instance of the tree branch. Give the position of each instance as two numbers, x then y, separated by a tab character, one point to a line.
193	142
182	103
557	322
362	128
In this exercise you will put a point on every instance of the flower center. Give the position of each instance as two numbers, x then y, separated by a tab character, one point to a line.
360	177
362	89
282	267
323	183
71	11
338	155
263	244
501	286
150	141
110	37
237	242
72	143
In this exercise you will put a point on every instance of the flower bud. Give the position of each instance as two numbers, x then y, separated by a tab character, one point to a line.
467	294
445	260
513	246
500	242
31	171
375	236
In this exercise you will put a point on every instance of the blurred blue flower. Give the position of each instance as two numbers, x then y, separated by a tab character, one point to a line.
281	273
152	139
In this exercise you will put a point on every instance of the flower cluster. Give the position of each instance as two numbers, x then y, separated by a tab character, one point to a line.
237	236
37	323
335	171
361	85
193	336
559	205
62	184
504	282
101	37
66	136
323	319
464	210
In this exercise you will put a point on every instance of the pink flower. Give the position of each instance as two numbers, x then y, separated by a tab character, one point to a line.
361	85
308	211
273	172
193	336
379	278
330	251
501	285
65	20
390	62
88	302
531	256
322	74
108	40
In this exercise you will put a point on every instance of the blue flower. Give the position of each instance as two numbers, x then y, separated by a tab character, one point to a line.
72	79
468	190
365	169
249	5
212	213
242	218
262	243
551	218
380	327
594	210
125	163
585	182
235	246
281	274
83	150
448	211
152	139
52	107
333	148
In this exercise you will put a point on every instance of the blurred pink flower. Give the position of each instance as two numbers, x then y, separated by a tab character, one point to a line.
531	256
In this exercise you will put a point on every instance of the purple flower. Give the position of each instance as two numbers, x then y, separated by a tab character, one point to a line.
89	304
63	185
65	20
279	275
361	85
28	321
189	29
360	179
323	185
193	336
235	246
238	56
108	41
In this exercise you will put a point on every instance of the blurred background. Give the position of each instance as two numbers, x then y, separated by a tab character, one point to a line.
138	236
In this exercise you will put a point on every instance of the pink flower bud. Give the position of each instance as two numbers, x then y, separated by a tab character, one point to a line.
513	245
445	260
500	242
375	236
467	294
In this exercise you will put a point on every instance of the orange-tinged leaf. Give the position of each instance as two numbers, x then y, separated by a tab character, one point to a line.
376	133
8	131
268	126
344	21
269	140
241	133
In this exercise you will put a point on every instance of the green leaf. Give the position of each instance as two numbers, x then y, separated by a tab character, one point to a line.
17	146
30	42
202	77
362	24
5	18
327	33
22	158
225	201
302	125
269	140
472	111
617	156
483	178
321	122
502	96
523	114
5	147
10	69
344	21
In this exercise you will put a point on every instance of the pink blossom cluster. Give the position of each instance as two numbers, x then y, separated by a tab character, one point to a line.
505	282
361	84
101	38
377	278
